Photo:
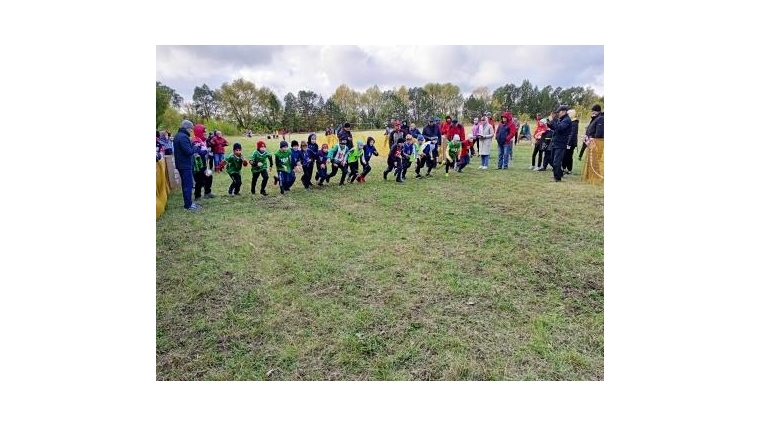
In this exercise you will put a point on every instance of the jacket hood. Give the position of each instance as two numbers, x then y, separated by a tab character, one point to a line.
198	130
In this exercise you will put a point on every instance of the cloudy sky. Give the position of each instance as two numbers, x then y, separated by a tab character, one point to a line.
323	68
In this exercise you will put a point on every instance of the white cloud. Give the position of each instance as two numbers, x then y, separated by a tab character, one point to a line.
323	68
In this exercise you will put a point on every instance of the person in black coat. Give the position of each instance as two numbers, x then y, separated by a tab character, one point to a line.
345	134
567	162
562	126
596	126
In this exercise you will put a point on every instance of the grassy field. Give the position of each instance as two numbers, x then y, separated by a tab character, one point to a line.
484	275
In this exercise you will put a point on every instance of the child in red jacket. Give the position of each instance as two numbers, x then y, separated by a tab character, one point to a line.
217	147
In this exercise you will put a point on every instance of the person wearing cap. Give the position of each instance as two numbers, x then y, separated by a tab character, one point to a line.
486	136
184	152
201	172
338	157
259	167
504	135
562	126
596	111
593	170
234	164
345	134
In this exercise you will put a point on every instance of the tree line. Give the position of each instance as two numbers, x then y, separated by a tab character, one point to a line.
239	105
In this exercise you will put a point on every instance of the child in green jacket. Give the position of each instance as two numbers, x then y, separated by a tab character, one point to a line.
234	164
259	167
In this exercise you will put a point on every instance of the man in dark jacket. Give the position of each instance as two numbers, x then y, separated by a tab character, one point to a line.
432	132
345	134
562	126
183	159
596	126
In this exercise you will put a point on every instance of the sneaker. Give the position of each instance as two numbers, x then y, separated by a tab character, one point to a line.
418	176
531	168
282	191
263	193
446	175
499	168
209	196
385	176
320	184
568	173
194	207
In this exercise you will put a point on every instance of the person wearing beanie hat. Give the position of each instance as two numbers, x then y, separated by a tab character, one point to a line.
355	155
234	164
338	157
184	153
369	151
202	175
452	152
322	159
345	134
309	159
284	162
427	157
259	167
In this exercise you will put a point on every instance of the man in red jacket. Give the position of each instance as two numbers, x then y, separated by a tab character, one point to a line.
217	147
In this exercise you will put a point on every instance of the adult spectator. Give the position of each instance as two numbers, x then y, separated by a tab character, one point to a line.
540	129
562	126
455	129
345	135
202	178
504	136
596	110
446	126
486	136
567	162
593	171
431	132
475	147
516	121
183	160
217	147
396	133
405	128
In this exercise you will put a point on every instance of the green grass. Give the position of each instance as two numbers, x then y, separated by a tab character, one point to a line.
485	275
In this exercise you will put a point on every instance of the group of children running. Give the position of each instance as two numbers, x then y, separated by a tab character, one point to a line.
313	160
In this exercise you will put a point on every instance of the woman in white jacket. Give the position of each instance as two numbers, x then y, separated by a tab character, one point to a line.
486	136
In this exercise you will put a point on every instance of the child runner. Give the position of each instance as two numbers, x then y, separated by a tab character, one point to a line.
369	151
259	167
235	163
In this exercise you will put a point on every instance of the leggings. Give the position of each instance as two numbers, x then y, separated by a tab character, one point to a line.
536	150
450	164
